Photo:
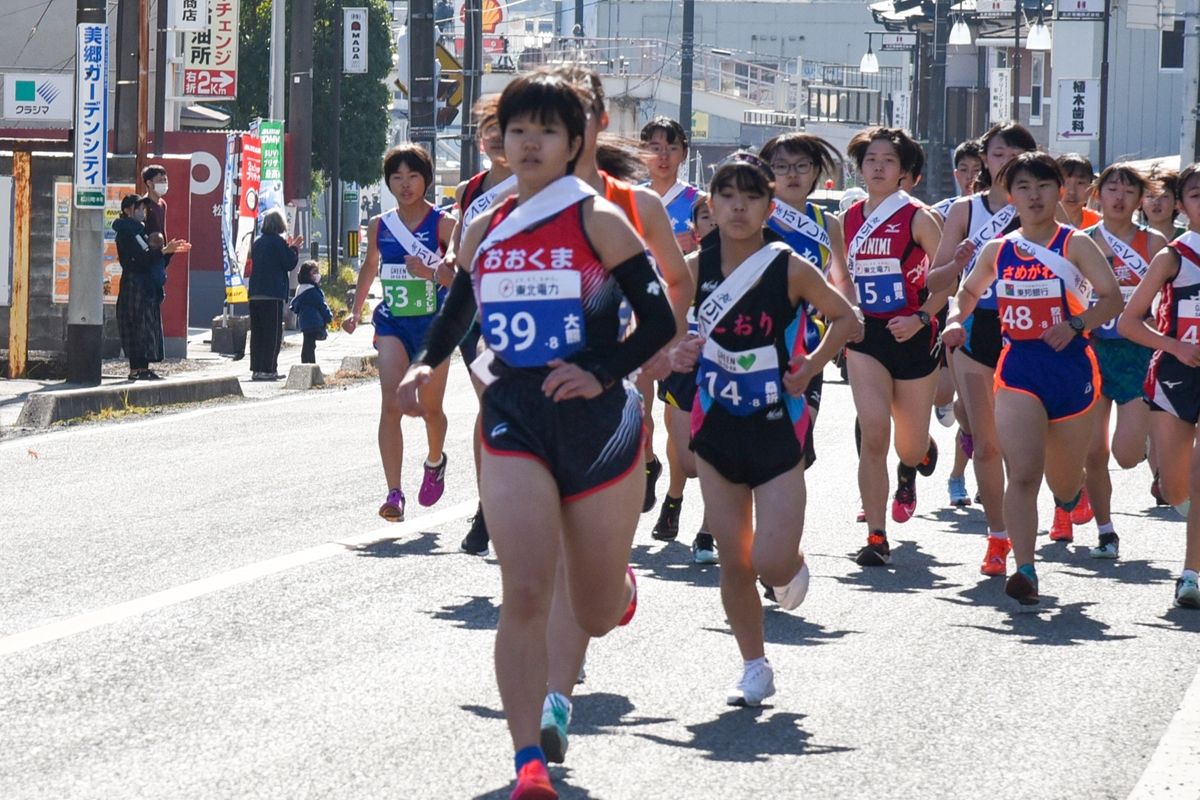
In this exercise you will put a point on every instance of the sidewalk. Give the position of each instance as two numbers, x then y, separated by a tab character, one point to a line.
201	362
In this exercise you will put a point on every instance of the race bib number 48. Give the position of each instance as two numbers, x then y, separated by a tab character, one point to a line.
531	318
1029	308
744	382
880	284
1189	321
405	295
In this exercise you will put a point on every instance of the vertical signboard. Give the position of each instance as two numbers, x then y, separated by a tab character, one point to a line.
235	284
354	48
210	56
270	192
189	15
247	198
1000	96
91	114
61	287
1078	102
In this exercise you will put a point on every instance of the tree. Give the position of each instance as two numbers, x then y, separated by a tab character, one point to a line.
364	111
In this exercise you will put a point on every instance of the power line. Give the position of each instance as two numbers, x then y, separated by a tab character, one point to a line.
33	30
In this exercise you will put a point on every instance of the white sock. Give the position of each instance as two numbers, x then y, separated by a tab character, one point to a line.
1190	573
1105	528
998	535
756	662
440	461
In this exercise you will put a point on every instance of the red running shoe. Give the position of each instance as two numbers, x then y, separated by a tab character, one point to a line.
1082	513
997	556
1061	529
632	609
533	783
904	502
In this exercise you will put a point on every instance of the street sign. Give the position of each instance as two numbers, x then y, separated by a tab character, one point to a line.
1078	103
189	15
91	114
898	41
41	97
995	8
1000	96
354	47
210	56
1081	9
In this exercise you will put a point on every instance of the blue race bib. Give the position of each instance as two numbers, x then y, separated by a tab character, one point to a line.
531	318
743	383
880	284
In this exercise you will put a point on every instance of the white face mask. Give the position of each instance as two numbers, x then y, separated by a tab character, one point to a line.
160	187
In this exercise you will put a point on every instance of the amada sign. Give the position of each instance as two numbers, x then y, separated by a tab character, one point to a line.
44	98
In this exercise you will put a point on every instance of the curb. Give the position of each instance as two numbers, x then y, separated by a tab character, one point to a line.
357	363
304	376
44	409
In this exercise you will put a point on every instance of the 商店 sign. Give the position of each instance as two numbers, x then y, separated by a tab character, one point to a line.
41	97
189	15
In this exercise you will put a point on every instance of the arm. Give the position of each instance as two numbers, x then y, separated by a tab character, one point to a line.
366	276
839	273
978	280
1084	254
663	246
927	234
1132	323
805	282
954	250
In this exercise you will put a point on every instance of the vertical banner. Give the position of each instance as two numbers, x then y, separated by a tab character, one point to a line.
247	198
188	15
235	285
354	48
91	114
210	55
1000	95
1078	102
6	234
270	193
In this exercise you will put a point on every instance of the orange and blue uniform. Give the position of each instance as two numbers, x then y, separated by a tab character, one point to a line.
1033	297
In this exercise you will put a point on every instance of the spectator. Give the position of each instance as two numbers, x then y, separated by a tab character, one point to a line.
312	312
154	179
272	257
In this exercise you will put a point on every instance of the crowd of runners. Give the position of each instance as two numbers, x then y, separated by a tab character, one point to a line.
580	279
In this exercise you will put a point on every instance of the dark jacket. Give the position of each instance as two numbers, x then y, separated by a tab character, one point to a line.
132	250
271	261
310	307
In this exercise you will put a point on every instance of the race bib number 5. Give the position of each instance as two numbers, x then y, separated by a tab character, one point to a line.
530	318
744	382
880	284
1189	321
405	295
1029	308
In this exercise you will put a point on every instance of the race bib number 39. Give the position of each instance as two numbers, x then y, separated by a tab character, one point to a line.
531	318
405	295
1109	329
1189	321
1029	308
744	382
880	284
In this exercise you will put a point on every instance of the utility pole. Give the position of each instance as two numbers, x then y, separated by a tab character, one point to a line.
143	88
472	49
1189	135
422	96
162	82
579	16
1016	65
126	53
277	90
937	100
1103	160
334	189
299	116
686	56
85	306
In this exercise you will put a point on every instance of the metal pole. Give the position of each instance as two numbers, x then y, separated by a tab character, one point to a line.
335	166
1189	131
937	102
126	55
1016	65
162	82
85	306
472	49
143	89
275	98
300	99
686	56
579	16
1103	160
422	99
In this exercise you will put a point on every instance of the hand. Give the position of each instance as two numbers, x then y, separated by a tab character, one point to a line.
295	241
963	254
659	365
350	322
800	373
177	246
444	274
904	328
1059	336
859	330
1187	354
406	393
569	382
416	267
684	355
954	335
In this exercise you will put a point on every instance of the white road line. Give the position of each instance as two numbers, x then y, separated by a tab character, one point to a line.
1174	768
234	577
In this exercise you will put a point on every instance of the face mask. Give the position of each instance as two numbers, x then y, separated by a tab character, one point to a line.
161	187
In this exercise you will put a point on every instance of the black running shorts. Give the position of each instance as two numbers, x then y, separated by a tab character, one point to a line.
755	449
909	360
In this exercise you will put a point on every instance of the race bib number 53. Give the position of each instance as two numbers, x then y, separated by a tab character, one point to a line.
531	318
405	295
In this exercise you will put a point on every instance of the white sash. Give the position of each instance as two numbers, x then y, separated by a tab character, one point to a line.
564	192
412	244
883	212
679	188
994	226
1076	284
484	201
743	278
1129	257
1189	271
801	223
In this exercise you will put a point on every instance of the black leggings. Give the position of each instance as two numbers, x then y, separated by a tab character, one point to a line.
308	352
266	334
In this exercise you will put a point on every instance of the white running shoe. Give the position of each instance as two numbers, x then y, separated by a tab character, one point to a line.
756	685
945	415
791	596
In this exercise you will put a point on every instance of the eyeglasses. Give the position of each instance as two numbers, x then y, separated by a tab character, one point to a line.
800	167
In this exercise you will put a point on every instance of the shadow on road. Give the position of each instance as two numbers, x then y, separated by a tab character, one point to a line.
1053	625
969	520
780	627
673	562
559	775
1177	619
911	571
742	735
476	614
592	713
1134	572
425	544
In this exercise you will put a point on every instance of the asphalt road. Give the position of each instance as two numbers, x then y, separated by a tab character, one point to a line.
175	623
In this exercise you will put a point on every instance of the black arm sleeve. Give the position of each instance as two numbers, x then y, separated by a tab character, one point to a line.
452	322
655	322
